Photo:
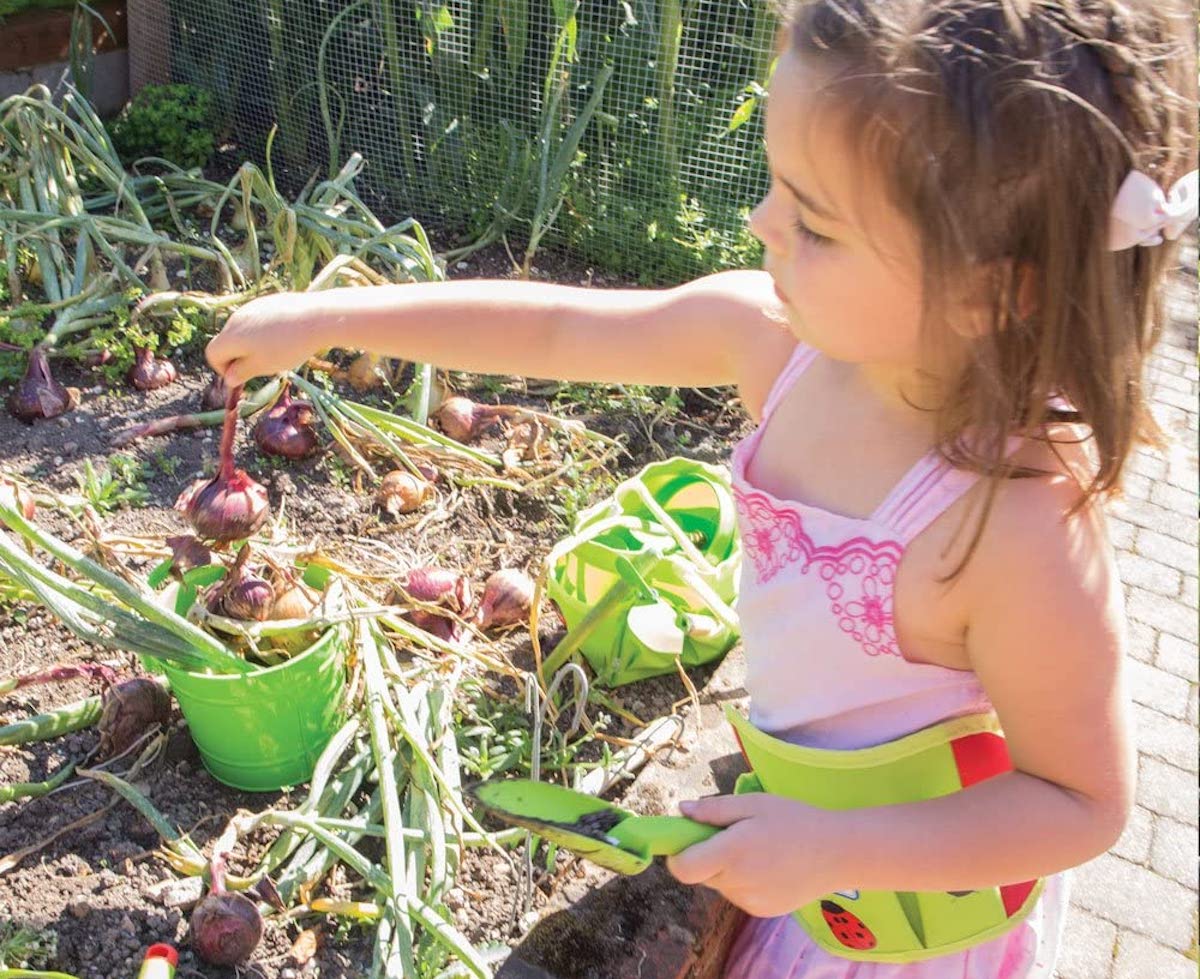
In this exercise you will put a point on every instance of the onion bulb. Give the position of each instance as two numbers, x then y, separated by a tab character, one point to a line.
240	594
149	372
464	420
507	598
287	428
215	395
434	586
226	927
230	506
402	492
38	394
129	710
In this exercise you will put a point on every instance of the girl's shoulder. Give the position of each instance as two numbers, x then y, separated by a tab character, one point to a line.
763	343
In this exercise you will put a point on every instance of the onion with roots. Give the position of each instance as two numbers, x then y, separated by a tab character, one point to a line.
435	586
149	372
507	599
38	394
226	927
130	709
230	506
287	428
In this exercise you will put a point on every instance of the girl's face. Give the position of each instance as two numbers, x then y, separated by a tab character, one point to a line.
844	261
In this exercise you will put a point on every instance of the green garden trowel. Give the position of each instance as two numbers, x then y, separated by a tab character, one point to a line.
608	835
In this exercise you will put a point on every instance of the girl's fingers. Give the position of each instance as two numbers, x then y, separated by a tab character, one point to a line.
700	862
722	810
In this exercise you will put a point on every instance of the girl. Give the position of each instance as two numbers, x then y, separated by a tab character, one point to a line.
964	240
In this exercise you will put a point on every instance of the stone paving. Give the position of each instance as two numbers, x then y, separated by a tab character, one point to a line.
1134	910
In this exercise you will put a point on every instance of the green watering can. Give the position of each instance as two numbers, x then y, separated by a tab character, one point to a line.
649	576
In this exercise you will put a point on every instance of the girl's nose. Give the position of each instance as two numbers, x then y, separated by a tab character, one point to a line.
764	228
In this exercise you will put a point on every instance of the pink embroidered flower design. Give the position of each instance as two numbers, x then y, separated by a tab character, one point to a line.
859	574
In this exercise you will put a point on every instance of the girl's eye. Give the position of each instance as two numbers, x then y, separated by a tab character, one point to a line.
806	232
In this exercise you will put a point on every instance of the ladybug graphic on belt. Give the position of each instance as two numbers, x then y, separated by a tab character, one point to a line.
847	928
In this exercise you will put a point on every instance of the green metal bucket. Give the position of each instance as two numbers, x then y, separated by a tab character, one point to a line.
264	730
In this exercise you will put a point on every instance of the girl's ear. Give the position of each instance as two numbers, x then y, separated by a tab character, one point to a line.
985	284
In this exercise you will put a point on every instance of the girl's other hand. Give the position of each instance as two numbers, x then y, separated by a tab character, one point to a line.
768	861
268	335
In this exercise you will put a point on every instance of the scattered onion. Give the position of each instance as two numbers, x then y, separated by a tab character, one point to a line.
464	420
507	598
38	394
402	492
226	927
149	372
129	709
434	586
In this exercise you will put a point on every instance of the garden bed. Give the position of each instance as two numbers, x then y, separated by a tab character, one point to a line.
97	891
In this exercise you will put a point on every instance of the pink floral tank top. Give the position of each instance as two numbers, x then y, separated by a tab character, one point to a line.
816	607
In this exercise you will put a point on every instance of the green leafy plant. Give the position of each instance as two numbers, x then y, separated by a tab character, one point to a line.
25	948
172	122
121	483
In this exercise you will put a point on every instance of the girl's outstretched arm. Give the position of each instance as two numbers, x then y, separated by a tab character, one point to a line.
1045	638
697	334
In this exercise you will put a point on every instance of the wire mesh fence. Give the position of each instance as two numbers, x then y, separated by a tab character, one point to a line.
628	130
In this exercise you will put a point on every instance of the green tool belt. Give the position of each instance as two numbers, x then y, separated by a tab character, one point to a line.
892	926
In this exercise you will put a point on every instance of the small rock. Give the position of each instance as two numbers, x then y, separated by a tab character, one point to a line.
70	447
64	422
287	974
79	908
528	920
463	265
126	925
58	460
454	898
181	273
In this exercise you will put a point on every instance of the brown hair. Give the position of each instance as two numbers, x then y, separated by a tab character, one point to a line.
1004	129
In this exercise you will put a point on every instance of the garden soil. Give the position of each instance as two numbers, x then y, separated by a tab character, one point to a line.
97	889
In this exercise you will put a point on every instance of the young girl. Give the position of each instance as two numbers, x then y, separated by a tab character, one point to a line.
968	223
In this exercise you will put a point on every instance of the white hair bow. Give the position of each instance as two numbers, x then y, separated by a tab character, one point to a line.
1143	214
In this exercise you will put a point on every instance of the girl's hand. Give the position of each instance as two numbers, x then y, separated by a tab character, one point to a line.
768	861
268	335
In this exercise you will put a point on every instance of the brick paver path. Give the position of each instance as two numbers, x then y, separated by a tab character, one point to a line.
1133	913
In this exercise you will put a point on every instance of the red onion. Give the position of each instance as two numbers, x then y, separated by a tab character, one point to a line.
507	598
187	553
38	394
215	395
16	496
401	492
436	586
230	506
149	372
226	927
241	595
464	420
130	709
287	428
